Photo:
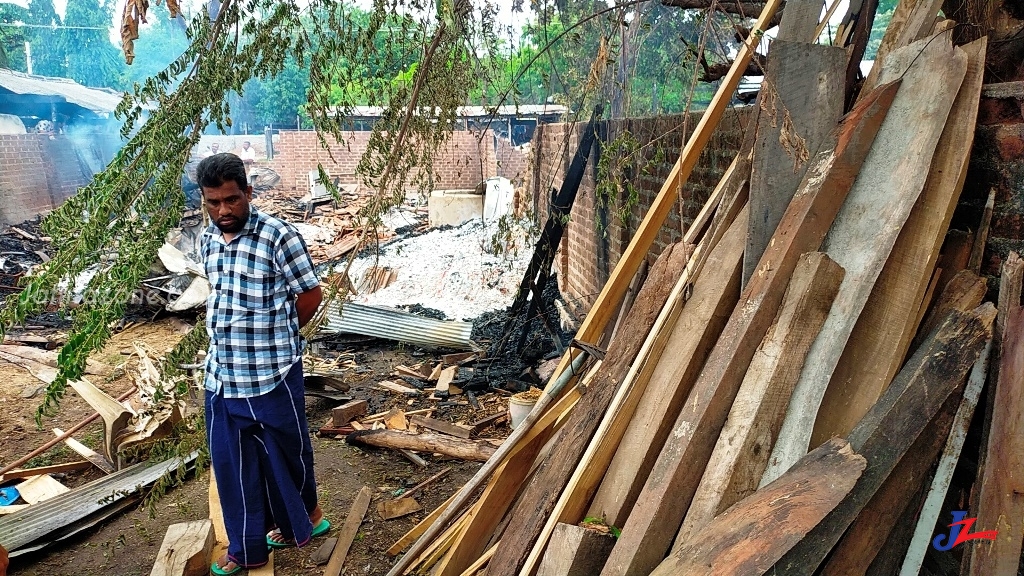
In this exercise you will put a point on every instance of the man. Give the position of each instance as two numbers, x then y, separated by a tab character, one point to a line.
213	149
248	154
264	289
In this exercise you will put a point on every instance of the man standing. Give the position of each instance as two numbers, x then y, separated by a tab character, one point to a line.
264	289
248	154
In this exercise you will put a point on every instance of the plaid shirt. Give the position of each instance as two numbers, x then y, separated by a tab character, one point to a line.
250	314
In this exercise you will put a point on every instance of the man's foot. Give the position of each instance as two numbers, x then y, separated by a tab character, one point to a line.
320	526
225	566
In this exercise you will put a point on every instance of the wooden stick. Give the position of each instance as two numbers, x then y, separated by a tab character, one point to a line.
54	469
84	451
60	438
348	532
408	493
981	238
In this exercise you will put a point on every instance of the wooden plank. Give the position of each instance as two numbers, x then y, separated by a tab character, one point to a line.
348	531
52	469
486	422
894	423
1004	90
575	551
441	426
882	334
1000	506
659	510
444	380
390	509
398	388
866	228
690	338
39	488
754	533
801	103
89	454
921	540
186	550
539	497
799	20
472	450
417	530
348	412
981	237
220	533
741	454
964	291
911	20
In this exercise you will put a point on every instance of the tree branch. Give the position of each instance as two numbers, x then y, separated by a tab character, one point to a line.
749	9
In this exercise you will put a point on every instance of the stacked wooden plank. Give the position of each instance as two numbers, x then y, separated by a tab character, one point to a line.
783	379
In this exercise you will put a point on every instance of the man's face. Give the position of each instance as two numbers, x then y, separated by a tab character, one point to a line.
228	205
214	147
245	145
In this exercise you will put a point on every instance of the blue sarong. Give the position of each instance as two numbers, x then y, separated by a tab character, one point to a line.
263	461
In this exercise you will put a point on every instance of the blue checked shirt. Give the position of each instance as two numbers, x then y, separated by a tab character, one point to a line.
250	314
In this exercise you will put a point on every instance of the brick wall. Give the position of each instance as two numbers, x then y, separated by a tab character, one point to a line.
596	236
461	163
38	172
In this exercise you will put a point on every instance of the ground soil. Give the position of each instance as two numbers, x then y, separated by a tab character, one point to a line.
127	544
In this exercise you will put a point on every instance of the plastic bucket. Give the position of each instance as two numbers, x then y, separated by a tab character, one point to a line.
519	409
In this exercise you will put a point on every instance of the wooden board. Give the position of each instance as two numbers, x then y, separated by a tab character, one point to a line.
963	292
348	531
981	237
882	334
754	533
441	426
444	380
866	228
799	21
801	103
911	20
692	336
89	454
220	533
186	550
52	469
539	497
348	412
658	513
894	423
1000	506
741	454
389	509
575	551
39	488
398	388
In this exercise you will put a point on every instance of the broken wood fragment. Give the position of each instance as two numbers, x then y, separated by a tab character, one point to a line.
98	460
408	493
445	379
486	422
414	458
398	388
346	413
52	469
575	551
323	553
186	550
39	488
390	509
441	426
396	420
473	450
459	357
981	237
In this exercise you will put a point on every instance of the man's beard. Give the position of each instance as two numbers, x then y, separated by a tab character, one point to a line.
236	225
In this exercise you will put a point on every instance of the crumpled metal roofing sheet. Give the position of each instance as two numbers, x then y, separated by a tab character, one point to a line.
392	324
99	100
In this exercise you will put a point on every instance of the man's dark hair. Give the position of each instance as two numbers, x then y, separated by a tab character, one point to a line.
220	168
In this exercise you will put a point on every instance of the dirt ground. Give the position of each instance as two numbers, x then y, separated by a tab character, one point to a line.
127	544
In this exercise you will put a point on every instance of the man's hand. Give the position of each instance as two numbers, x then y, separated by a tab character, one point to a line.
307	303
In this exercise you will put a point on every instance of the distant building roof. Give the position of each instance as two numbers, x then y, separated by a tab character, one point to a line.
99	100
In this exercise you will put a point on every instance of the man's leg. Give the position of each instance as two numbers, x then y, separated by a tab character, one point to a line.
235	455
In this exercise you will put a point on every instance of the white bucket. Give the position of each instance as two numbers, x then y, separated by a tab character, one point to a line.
519	409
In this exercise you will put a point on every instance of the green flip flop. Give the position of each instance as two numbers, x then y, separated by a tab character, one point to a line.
320	529
216	569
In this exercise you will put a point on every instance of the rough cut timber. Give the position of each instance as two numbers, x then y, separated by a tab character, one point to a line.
963	292
658	513
755	532
741	454
801	103
883	332
348	412
893	424
981	237
715	293
911	21
530	514
575	551
867	226
1001	496
186	550
348	531
441	426
473	450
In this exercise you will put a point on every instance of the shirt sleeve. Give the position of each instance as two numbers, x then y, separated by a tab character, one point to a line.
295	264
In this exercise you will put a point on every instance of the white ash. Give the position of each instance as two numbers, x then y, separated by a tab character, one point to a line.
462	271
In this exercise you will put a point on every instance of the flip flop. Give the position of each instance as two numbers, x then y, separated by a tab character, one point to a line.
320	529
216	569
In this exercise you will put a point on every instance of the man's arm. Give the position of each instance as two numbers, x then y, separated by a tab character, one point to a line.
306	304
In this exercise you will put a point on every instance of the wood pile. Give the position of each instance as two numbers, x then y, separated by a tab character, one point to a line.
790	374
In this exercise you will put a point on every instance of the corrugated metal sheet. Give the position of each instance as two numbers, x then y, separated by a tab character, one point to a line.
391	324
26	526
95	99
